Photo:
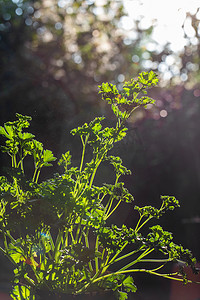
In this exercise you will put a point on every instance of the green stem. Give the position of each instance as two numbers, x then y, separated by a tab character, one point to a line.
107	216
110	201
107	263
6	251
66	239
59	241
29	280
168	276
94	172
96	258
145	253
51	240
38	174
87	245
2	250
83	151
20	163
127	255
86	286
156	260
113	259
109	205
147	220
158	268
21	160
72	237
14	160
34	174
78	230
98	162
84	143
81	191
10	236
5	241
138	223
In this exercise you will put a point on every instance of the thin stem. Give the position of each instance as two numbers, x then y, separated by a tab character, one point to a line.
109	205
20	163
158	268
59	240
72	237
6	251
145	253
78	230
83	151
38	174
5	241
34	174
21	160
114	258
138	223
80	192
87	245
14	160
156	260
10	236
94	171
127	255
110	201
147	220
89	283
66	239
168	276
96	258
29	280
2	250
51	240
84	143
107	216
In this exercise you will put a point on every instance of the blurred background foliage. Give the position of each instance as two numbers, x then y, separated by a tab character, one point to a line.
53	56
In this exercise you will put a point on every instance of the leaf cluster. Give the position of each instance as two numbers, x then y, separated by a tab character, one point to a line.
113	238
133	94
168	203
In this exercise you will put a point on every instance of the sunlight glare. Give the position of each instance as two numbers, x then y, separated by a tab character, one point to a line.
167	18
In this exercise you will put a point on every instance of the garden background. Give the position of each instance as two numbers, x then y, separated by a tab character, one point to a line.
53	56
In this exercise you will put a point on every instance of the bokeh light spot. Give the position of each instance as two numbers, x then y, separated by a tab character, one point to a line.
126	23
196	93
37	14
95	33
163	113
184	77
6	16
121	78
19	11
58	26
30	10
77	58
28	22
62	3
69	10
135	58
